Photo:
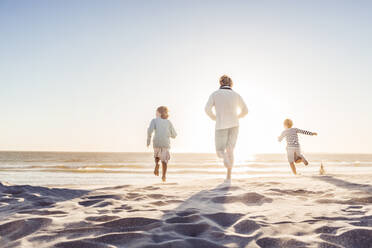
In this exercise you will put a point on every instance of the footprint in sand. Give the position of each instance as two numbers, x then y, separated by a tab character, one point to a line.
224	219
280	243
247	198
246	227
102	218
361	238
17	229
184	219
89	203
131	224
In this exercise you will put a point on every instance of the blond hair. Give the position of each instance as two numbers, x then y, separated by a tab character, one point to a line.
288	123
225	81
163	111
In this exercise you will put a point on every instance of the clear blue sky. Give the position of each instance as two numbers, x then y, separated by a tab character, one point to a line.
88	75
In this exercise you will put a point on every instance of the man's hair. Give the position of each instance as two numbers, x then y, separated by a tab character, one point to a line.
288	123
225	81
163	111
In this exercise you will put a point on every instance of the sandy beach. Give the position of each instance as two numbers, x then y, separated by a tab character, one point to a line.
303	211
185	124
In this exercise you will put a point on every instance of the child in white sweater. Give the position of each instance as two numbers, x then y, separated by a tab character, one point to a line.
164	130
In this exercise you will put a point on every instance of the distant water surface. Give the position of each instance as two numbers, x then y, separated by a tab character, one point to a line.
83	168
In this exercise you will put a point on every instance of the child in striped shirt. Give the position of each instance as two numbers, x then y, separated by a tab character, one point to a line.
293	146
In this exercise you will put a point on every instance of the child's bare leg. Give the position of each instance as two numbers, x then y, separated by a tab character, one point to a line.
156	170
293	167
304	160
164	165
299	160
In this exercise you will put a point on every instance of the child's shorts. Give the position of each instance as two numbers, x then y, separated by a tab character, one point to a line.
162	153
294	153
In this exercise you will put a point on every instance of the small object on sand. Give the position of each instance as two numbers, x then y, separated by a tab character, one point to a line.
321	170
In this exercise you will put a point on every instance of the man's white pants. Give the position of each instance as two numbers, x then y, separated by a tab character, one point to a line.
225	140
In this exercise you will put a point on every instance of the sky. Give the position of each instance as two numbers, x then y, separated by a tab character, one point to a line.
88	75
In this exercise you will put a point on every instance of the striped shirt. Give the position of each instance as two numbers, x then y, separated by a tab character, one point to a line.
291	136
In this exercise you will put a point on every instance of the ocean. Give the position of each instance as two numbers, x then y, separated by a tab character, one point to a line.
88	168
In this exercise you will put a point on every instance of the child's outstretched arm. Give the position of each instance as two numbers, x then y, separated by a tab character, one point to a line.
280	138
150	130
172	131
305	132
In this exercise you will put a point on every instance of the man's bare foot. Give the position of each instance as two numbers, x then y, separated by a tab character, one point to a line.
298	160
305	162
164	179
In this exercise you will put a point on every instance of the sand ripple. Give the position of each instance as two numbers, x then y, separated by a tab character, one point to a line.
297	212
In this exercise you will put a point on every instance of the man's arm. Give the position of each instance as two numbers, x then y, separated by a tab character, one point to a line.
150	130
243	108
208	108
305	132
